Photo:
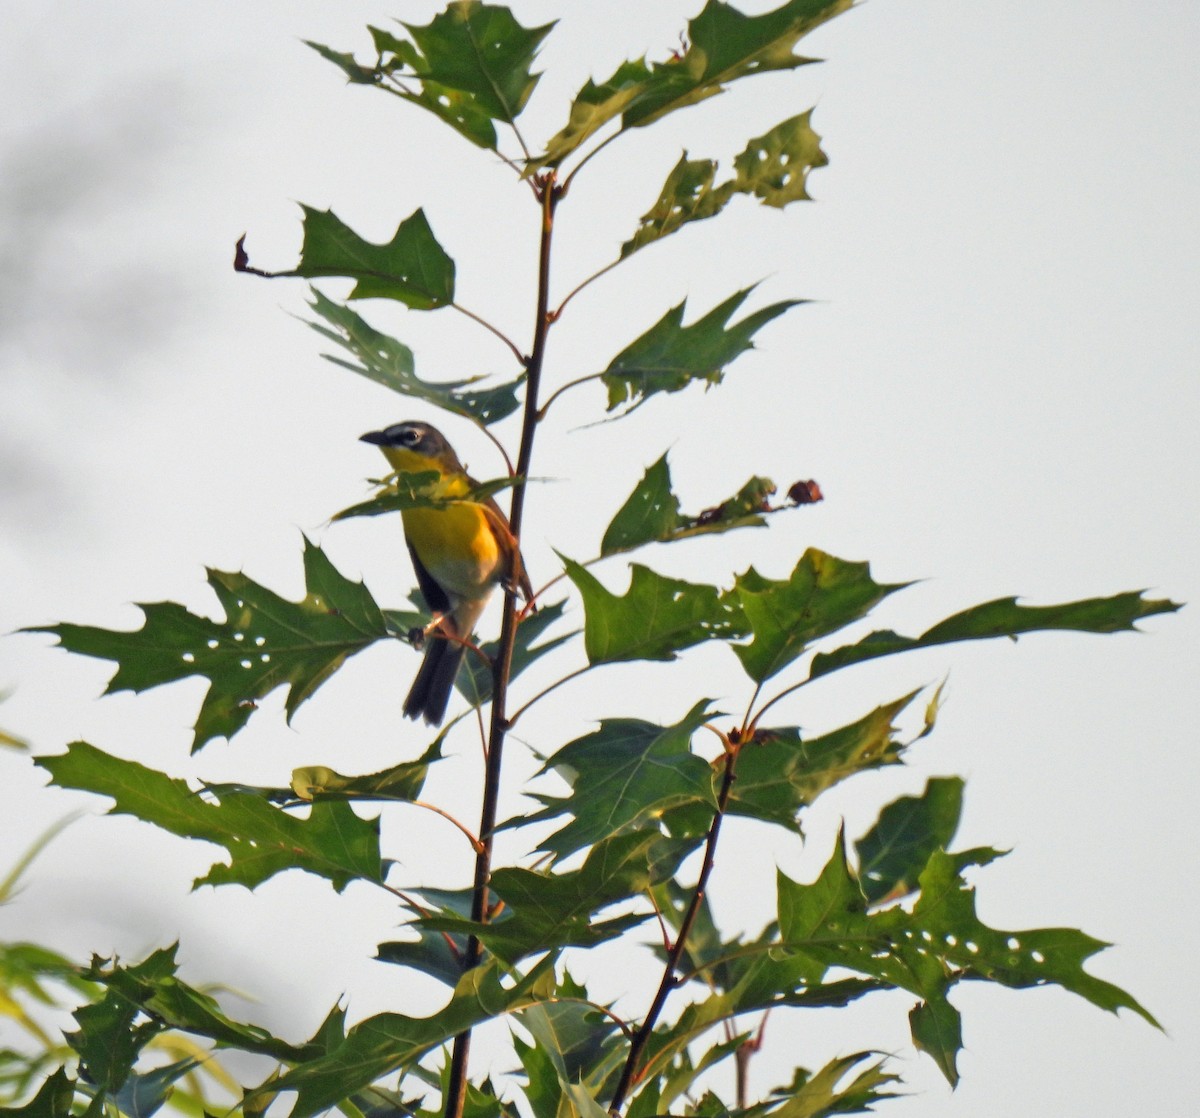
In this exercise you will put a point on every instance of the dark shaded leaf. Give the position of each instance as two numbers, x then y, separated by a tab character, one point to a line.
261	839
623	777
545	910
144	1093
53	1099
654	620
411	268
779	772
264	642
897	848
387	361
822	594
670	356
389	1041
1003	618
469	66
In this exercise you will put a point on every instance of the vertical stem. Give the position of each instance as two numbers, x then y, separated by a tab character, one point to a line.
642	1036
549	195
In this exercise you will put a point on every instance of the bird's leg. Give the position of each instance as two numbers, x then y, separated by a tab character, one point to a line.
417	635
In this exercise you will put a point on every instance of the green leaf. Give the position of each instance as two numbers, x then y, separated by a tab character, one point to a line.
689	194
652	514
623	777
388	1041
386	361
262	840
545	910
402	782
670	356
1003	618
936	1028
430	953
939	943
411	268
475	678
898	847
144	1093
571	1031
724	45
53	1100
264	642
818	1094
773	167
779	772
472	63
113	1030
654	620
355	72
822	594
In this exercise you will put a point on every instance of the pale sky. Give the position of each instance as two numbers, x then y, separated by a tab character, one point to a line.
995	387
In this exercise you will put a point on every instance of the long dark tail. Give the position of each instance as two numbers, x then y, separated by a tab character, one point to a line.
431	689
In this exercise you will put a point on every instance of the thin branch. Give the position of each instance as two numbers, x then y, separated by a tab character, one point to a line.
753	725
456	1091
630	1072
587	282
559	391
588	158
512	721
476	845
488	326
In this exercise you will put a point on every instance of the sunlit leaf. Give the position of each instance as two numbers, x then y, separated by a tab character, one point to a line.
1003	618
822	594
898	847
722	44
260	838
824	1093
623	776
773	167
655	619
387	361
670	356
264	642
402	782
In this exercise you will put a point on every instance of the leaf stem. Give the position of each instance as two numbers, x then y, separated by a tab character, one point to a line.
669	980
559	391
549	195
494	330
590	280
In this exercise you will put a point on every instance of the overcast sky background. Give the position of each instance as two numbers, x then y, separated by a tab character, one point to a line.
995	386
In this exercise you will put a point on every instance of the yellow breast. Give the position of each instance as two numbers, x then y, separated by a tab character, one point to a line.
457	547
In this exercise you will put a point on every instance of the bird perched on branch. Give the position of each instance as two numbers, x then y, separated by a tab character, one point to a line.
460	551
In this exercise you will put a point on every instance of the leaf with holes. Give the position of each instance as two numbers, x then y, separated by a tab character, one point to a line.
386	361
670	356
260	838
651	514
622	777
264	642
898	847
654	620
939	943
773	167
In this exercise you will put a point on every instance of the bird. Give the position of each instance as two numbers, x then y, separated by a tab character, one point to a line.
460	552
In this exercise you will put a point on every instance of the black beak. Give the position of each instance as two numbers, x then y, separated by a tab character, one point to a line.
379	438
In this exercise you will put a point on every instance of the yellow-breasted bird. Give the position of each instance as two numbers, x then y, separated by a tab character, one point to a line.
460	551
